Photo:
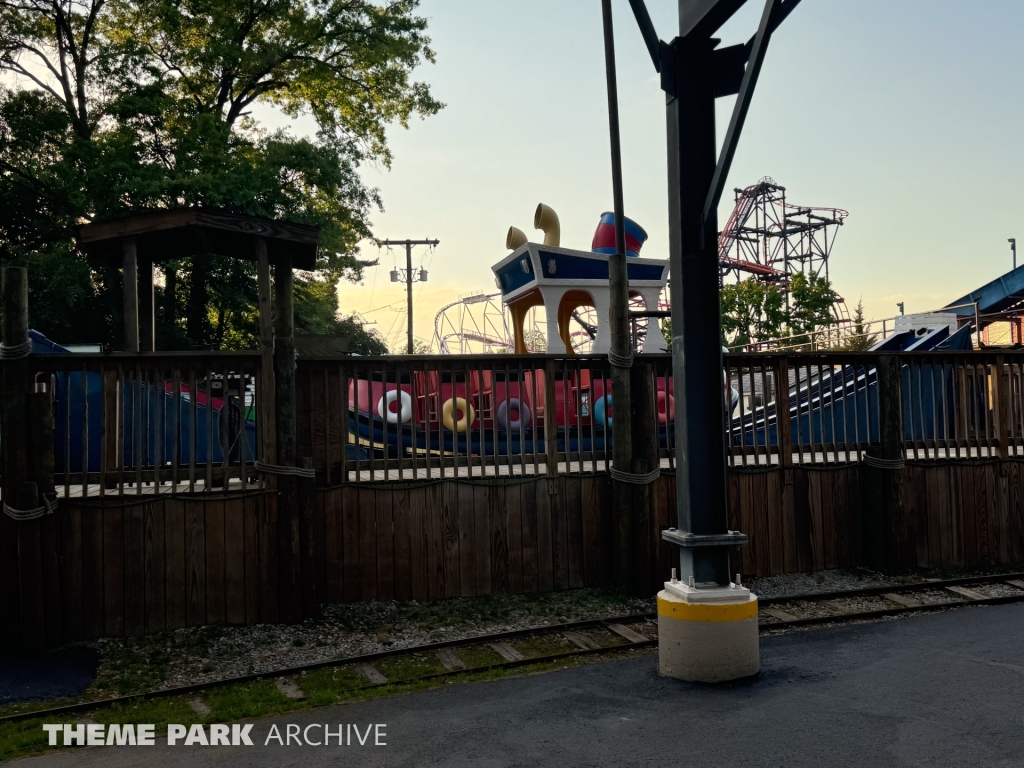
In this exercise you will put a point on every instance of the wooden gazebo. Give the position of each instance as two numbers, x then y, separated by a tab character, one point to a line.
134	244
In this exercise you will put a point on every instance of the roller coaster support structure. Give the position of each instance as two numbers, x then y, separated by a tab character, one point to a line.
708	624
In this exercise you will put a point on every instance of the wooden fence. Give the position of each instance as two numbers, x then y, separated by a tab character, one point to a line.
109	567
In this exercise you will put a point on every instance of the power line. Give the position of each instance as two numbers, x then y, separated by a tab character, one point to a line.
409	277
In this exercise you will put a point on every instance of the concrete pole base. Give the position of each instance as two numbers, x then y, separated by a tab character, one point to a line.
707	642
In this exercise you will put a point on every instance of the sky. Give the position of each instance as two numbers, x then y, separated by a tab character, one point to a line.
907	113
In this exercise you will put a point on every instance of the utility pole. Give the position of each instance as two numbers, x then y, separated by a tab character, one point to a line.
1013	248
410	277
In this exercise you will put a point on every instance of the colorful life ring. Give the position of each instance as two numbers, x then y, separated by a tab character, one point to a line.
448	414
602	404
514	404
394	417
666	415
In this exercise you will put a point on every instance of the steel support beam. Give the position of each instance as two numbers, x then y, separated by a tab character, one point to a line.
702	508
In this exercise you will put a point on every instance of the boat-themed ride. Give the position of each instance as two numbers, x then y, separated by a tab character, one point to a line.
500	410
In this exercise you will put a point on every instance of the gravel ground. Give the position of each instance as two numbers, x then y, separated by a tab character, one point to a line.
169	659
823	581
200	654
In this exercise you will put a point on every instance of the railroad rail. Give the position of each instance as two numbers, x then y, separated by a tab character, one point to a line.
611	635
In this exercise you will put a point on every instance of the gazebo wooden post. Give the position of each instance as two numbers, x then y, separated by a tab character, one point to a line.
288	506
267	429
147	318
130	282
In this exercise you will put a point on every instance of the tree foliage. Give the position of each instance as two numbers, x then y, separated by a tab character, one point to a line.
755	311
125	105
752	310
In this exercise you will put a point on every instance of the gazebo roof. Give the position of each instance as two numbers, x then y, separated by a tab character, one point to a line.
177	233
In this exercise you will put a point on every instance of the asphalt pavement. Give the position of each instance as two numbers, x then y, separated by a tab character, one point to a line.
934	690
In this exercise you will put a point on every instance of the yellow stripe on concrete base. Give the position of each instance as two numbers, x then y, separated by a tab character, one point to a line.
677	609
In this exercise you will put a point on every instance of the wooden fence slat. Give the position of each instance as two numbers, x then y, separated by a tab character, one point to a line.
234	561
71	570
334	545
531	566
154	569
451	538
366	508
419	571
50	530
352	572
266	526
545	559
570	501
135	569
385	545
497	509
403	546
759	507
514	532
174	546
113	571
253	513
773	497
216	567
969	511
195	564
467	539
802	520
482	537
30	564
1016	513
560	536
830	512
589	510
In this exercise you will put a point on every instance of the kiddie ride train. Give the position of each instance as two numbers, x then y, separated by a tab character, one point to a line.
501	411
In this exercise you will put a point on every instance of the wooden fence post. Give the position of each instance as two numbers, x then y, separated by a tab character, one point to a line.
551	427
288	503
1000	409
18	489
885	533
646	578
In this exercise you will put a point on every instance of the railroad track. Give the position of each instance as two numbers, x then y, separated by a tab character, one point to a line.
551	643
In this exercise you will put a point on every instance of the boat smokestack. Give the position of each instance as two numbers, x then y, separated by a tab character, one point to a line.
546	220
515	238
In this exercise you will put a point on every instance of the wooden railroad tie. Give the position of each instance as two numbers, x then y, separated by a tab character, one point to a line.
372	674
626	632
906	602
778	613
506	651
1015	583
450	659
289	688
970	594
582	642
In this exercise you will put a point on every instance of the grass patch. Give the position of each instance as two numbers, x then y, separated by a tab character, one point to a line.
248	700
252	700
326	686
532	647
479	656
410	666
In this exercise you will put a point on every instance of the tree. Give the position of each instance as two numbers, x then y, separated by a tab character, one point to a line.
811	302
859	339
751	310
148	105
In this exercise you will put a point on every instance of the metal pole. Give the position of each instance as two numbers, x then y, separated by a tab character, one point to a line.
618	321
1013	248
696	334
408	291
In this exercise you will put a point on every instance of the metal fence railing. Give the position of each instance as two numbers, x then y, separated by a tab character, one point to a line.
168	422
152	422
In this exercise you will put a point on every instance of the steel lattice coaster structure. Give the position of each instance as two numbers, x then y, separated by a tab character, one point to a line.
771	239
